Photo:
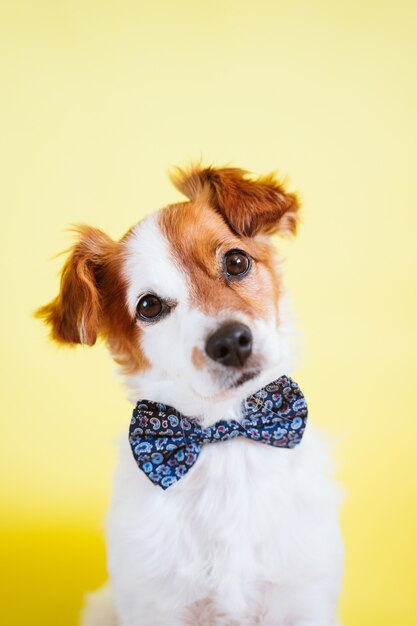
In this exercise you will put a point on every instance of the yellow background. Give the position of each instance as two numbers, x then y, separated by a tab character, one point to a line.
98	99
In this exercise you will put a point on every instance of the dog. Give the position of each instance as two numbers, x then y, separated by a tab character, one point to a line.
192	307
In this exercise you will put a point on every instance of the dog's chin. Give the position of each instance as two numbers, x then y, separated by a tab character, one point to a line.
245	378
236	386
250	381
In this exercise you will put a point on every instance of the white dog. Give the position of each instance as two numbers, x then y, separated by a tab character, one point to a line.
191	305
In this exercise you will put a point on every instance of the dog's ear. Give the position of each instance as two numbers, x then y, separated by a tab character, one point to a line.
74	315
250	206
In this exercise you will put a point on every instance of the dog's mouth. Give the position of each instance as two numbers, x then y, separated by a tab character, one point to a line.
223	394
245	378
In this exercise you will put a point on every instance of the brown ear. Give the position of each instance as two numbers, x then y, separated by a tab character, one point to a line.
74	315
250	206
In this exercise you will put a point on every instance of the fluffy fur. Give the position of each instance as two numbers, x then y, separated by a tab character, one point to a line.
250	536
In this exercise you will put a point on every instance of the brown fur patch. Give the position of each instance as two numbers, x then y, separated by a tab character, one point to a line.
199	238
250	206
198	359
75	314
118	329
92	300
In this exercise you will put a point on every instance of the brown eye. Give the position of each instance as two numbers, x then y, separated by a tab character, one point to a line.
149	307
236	263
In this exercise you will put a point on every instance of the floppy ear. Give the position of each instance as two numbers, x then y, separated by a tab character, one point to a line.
74	315
250	206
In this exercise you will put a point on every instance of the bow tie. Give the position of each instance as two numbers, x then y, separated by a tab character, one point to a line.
166	444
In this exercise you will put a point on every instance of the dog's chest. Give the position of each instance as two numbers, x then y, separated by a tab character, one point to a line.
246	518
240	510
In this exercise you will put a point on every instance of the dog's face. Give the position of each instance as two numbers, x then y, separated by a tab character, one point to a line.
190	296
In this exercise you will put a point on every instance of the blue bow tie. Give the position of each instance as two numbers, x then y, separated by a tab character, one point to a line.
166	444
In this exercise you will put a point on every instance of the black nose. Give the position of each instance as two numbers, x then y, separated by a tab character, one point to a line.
230	345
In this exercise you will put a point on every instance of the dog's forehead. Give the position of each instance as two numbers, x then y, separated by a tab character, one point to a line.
162	249
199	237
177	254
149	264
195	231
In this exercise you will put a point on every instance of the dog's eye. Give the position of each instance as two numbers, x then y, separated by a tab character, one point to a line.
149	307
236	263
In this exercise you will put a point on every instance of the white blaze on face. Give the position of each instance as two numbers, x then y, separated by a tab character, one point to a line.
171	344
151	268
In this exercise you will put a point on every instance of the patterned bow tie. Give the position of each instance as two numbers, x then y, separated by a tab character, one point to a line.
166	444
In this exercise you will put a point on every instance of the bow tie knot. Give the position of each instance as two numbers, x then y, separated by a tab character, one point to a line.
166	444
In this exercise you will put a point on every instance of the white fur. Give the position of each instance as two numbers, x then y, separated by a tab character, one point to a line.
250	535
99	609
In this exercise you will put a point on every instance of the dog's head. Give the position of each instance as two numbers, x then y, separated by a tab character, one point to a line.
188	300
